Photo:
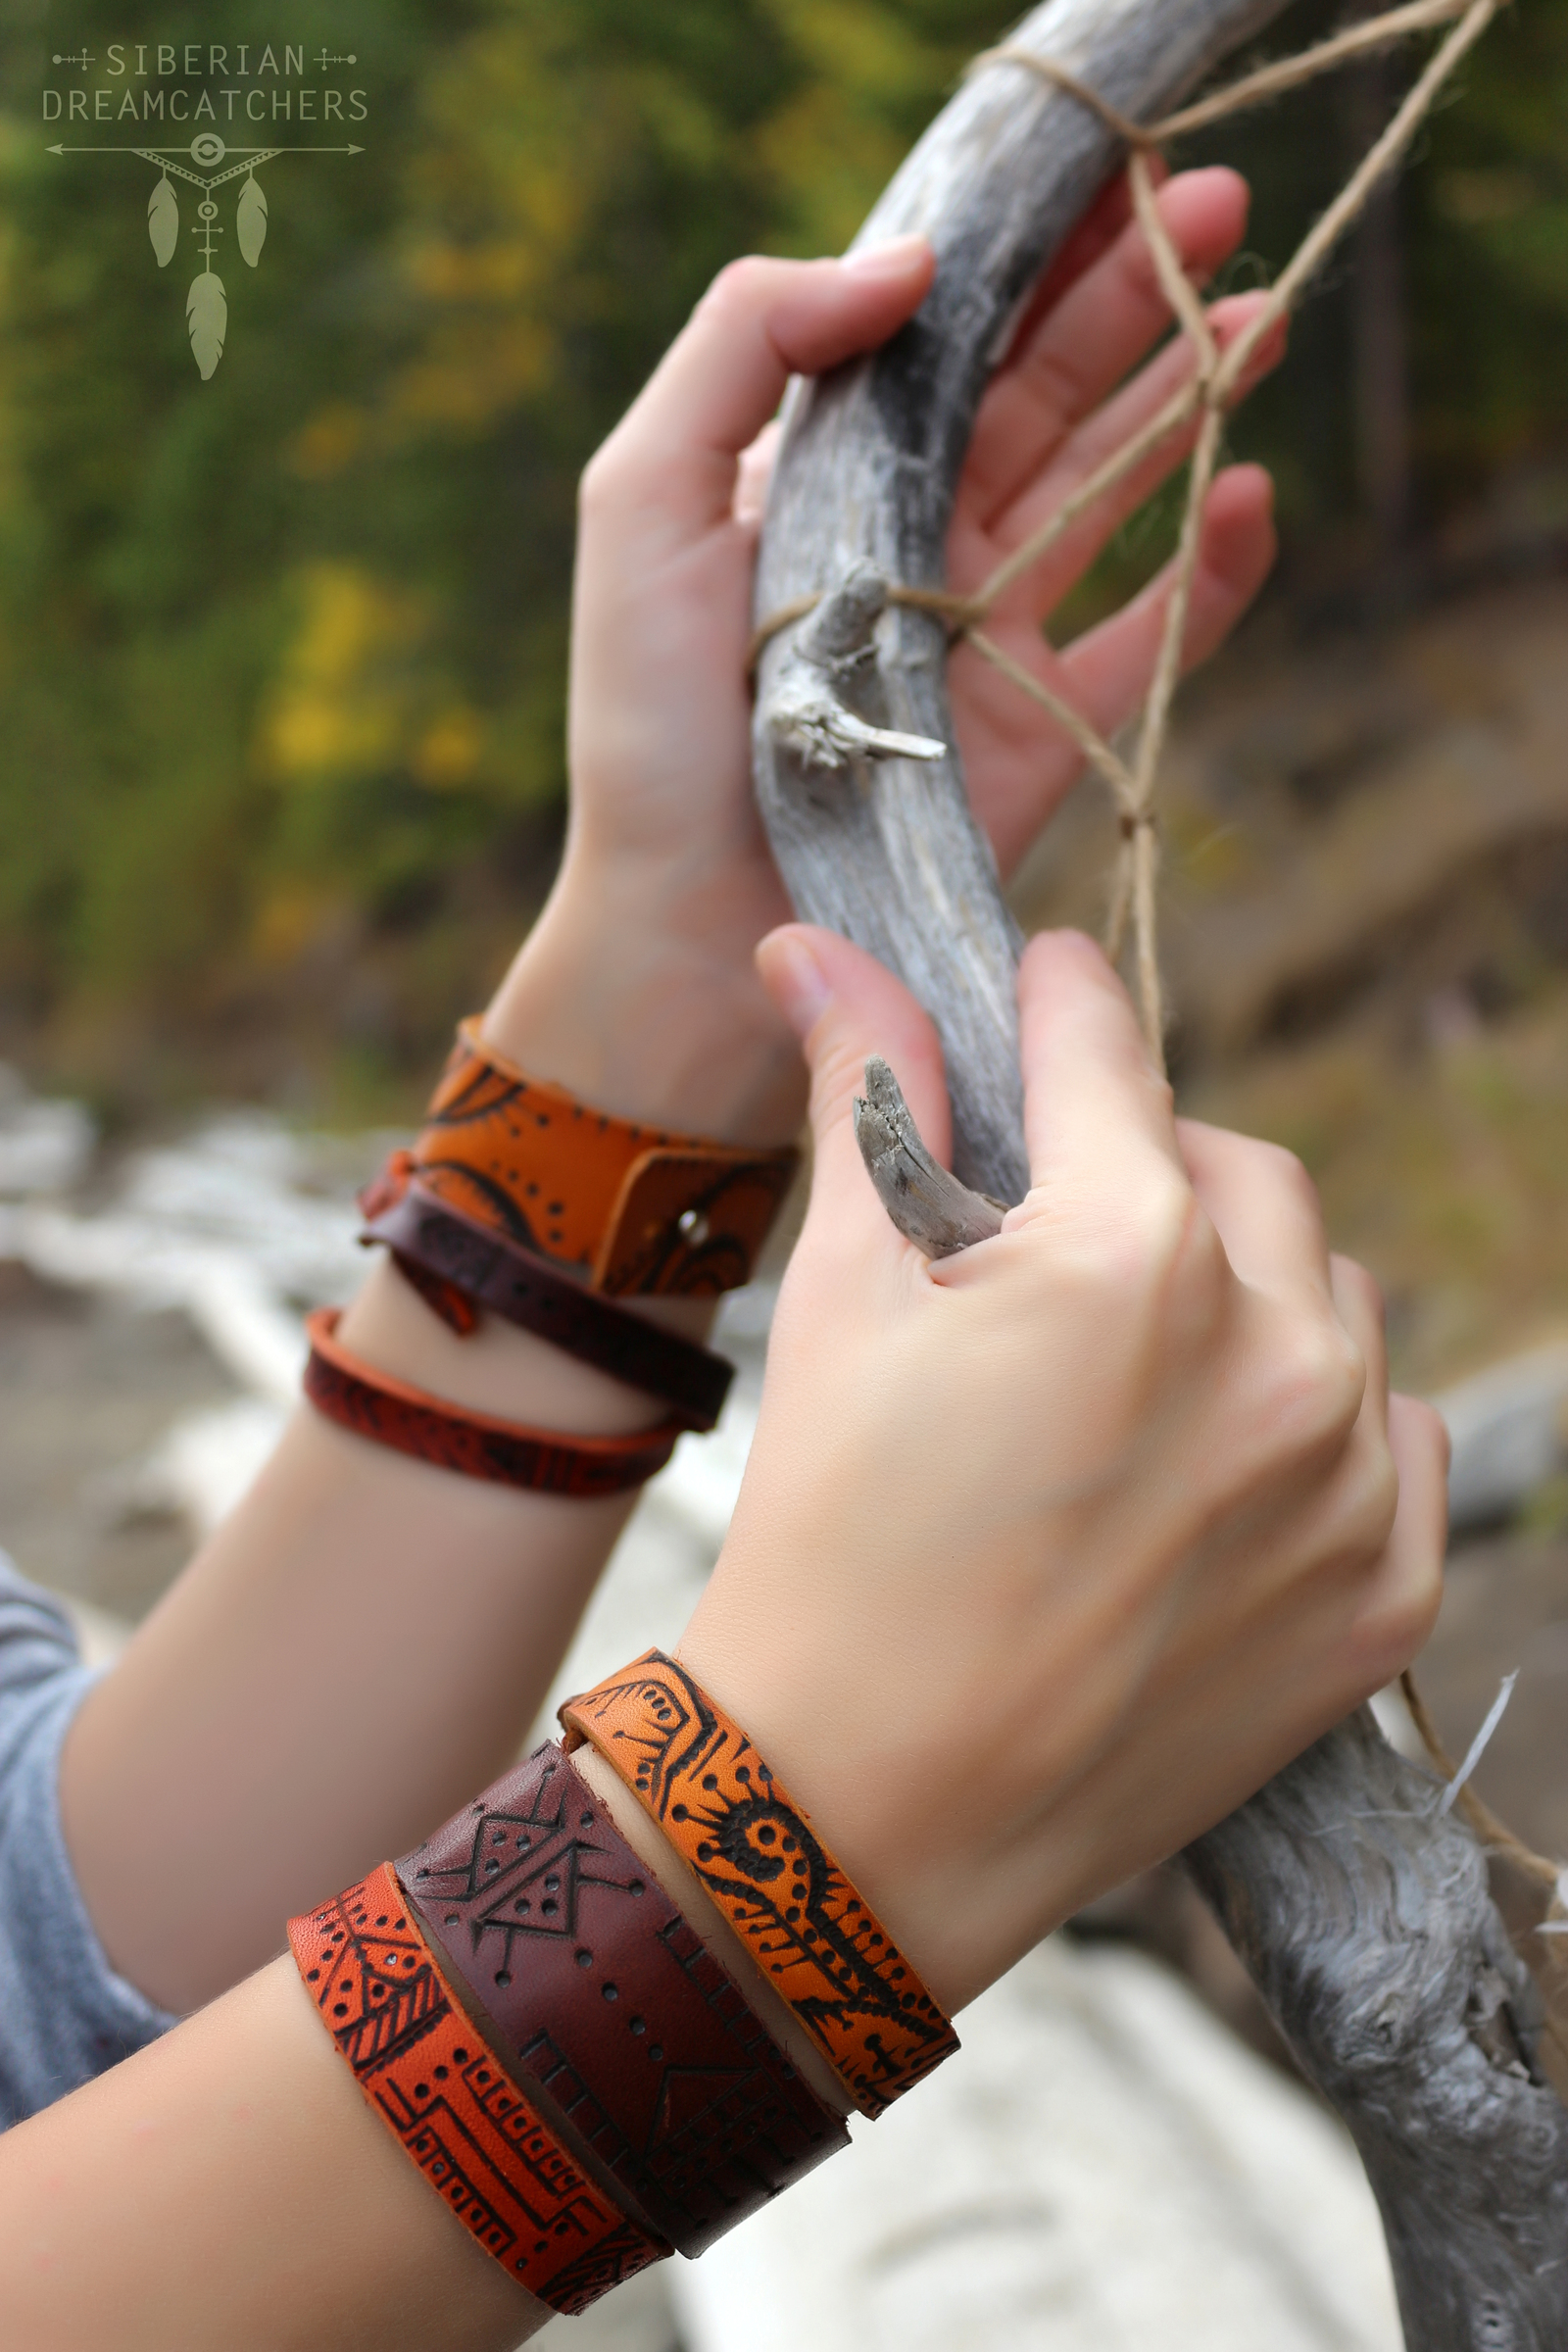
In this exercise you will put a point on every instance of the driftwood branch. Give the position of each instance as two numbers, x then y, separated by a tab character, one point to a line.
1362	1913
929	1208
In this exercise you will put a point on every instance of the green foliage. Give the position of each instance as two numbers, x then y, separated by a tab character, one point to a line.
281	653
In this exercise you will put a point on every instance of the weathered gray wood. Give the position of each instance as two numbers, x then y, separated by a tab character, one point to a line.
929	1208
883	849
1376	1945
1372	1938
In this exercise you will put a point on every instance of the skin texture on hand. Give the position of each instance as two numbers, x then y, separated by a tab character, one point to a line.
1116	1501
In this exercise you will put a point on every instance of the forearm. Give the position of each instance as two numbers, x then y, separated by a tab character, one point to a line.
229	2190
367	1638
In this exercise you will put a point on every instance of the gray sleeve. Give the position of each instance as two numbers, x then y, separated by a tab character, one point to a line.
65	2016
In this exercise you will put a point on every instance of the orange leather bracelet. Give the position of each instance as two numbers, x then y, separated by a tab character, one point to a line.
818	1943
450	2105
375	1404
628	1207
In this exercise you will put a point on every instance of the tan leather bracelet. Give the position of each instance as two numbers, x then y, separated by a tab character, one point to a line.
452	2107
813	1938
628	1207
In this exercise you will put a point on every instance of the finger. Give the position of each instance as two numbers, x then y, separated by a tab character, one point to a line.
1109	669
1401	1605
1264	1206
844	1007
1360	1305
1004	739
1094	1106
973	554
760	322
1096	231
755	473
1069	354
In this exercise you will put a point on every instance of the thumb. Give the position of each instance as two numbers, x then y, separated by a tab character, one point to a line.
761	321
844	1007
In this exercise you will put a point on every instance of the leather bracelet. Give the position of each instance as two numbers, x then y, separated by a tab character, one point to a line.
812	1936
632	1209
490	1271
440	2091
374	1405
607	2003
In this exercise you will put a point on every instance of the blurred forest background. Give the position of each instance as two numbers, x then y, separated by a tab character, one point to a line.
281	655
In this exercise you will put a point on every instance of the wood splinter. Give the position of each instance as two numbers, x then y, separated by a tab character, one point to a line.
809	708
929	1206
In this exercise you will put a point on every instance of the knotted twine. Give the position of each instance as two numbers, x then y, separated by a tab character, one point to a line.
1206	396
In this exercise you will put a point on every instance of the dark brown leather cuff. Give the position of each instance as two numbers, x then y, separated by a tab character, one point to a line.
507	1280
604	1998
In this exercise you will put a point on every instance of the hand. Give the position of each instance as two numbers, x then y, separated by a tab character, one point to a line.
1050	1553
637	986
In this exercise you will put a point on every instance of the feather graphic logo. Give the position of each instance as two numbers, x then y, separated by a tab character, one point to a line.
250	224
206	314
163	221
206	303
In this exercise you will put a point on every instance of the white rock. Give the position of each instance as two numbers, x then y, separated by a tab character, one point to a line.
1102	2167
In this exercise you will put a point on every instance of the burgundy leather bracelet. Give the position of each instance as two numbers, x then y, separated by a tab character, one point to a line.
374	1405
429	1239
602	1998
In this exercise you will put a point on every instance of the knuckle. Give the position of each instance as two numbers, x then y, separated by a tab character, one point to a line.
1158	1243
596	485
1425	1426
1286	1173
1396	1624
1374	1499
1351	1279
739	286
1312	1384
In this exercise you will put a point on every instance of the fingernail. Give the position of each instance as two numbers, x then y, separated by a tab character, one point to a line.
795	980
892	259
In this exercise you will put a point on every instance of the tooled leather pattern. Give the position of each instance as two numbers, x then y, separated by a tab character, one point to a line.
376	1405
633	1209
607	2000
812	1936
448	1255
484	2148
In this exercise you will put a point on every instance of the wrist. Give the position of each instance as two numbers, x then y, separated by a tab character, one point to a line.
644	1014
932	1882
501	1370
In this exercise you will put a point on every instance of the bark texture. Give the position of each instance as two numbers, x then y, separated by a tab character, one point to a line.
1362	1912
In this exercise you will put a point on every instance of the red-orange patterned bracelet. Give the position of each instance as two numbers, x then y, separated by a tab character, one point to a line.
374	1405
819	1945
631	1208
452	2108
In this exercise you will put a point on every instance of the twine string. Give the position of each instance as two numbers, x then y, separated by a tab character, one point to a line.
1206	396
